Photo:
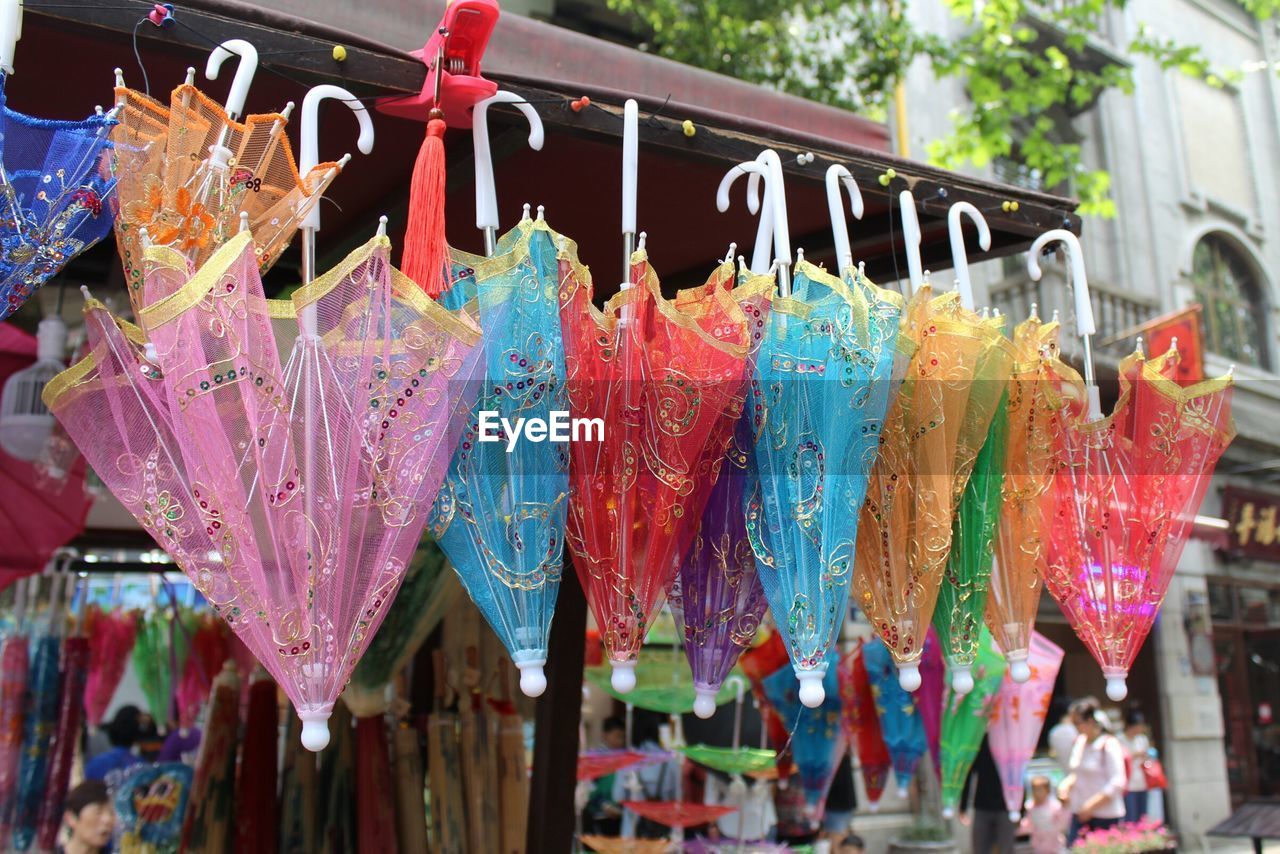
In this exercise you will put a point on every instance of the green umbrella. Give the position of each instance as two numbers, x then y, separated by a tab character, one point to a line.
741	760
964	719
663	683
962	597
160	651
426	594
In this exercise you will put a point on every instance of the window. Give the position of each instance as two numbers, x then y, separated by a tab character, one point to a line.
1234	308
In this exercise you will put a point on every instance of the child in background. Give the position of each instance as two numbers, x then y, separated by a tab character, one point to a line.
1045	818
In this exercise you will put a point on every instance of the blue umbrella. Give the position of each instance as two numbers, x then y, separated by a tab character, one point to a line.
817	401
900	722
500	515
817	737
54	188
37	732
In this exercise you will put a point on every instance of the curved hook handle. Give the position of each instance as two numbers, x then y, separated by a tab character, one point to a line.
776	197
247	67
630	163
911	237
837	174
308	155
959	257
760	259
486	192
1079	281
10	32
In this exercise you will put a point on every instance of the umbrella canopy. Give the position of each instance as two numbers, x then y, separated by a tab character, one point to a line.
500	513
14	666
66	738
862	725
208	650
1019	547
929	699
111	636
716	596
54	185
37	733
150	801
423	600
964	720
758	663
817	738
1018	716
818	396
730	760
1123	499
900	722
209	825
665	382
39	514
352	434
678	813
598	763
663	684
617	845
186	172
931	438
160	651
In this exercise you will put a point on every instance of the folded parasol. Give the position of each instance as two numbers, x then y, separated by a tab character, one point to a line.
964	721
817	737
900	722
862	725
1017	717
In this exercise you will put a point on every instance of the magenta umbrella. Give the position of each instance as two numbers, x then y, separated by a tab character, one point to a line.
1018	717
933	683
14	664
75	666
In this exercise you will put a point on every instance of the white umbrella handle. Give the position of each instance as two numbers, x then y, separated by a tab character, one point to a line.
776	196
486	193
630	164
309	154
1079	281
836	175
959	257
10	32
247	67
911	237
760	256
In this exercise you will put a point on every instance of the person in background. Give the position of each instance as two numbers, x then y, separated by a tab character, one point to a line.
122	733
1045	818
851	844
656	782
1137	742
1063	737
992	829
842	800
603	815
89	817
1096	782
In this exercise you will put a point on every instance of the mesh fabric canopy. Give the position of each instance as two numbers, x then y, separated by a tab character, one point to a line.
817	737
900	723
663	684
818	397
111	636
743	760
678	813
862	725
1017	718
54	186
964	720
292	495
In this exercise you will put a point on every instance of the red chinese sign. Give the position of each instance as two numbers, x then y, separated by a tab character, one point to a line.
1253	518
1185	327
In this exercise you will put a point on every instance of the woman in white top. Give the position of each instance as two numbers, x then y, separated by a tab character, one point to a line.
1138	744
1096	785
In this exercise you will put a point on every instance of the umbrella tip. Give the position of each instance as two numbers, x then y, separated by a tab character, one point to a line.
287	111
624	676
704	702
191	76
144	239
1019	671
948	812
961	679
525	217
1117	690
874	806
119	78
1137	347
84	290
800	255
315	732
640	245
903	792
533	681
1034	315
382	226
909	677
542	213
1173	344
733	247
346	158
1231	370
1014	815
812	694
244	220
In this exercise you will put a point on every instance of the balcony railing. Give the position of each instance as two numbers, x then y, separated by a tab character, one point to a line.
1114	311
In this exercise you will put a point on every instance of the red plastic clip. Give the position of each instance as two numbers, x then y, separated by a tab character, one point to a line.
161	15
458	44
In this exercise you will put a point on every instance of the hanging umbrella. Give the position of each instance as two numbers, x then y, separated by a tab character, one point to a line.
929	698
1018	716
14	666
257	813
150	802
385	349
209	824
208	650
933	432
40	514
721	846
298	798
862	725
425	596
817	737
664	383
663	684
111	637
1019	546
817	401
964	721
66	738
716	595
677	814
900	722
730	760
160	647
54	186
614	845
189	172
598	763
1123	500
758	663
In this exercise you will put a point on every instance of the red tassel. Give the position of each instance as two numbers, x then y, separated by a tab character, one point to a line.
424	240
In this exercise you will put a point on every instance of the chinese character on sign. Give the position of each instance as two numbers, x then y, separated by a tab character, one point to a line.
1252	517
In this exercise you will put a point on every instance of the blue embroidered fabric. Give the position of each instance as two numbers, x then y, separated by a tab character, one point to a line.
55	179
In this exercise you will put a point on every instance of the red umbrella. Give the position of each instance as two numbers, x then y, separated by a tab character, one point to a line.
678	813
862	725
111	637
75	668
39	515
209	649
257	815
375	809
14	664
597	763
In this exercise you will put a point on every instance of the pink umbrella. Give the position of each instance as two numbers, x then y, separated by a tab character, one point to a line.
75	666
1018	716
111	637
14	664
933	684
